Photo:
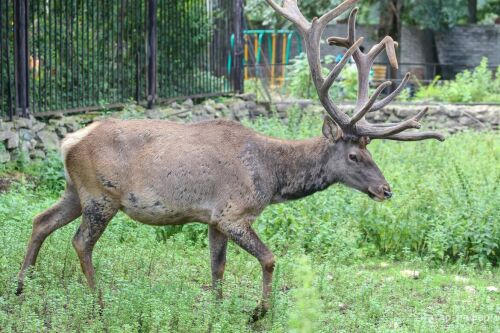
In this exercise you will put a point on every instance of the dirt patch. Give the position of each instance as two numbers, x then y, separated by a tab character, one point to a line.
5	183
7	180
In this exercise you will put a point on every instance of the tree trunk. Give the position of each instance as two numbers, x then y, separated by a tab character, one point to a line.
391	24
472	11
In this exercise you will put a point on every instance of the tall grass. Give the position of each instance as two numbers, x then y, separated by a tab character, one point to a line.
155	279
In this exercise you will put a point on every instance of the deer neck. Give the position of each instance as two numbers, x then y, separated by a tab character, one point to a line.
302	168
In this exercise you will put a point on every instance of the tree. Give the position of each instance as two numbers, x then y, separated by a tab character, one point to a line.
472	11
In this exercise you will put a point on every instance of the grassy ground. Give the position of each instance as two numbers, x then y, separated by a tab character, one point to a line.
422	262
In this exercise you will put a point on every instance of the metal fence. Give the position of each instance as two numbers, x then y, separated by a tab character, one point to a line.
76	55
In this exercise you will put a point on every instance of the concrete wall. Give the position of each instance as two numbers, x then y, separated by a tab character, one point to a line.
467	45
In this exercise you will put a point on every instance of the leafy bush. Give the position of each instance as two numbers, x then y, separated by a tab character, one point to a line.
479	85
301	86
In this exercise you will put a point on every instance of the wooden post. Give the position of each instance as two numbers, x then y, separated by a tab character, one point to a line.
152	46
21	56
238	82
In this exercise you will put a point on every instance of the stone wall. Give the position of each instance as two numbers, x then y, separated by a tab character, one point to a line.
34	138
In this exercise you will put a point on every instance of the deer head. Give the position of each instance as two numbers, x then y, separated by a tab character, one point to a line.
351	134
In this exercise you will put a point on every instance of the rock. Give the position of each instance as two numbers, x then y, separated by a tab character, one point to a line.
247	96
13	141
453	113
4	154
239	110
492	289
209	109
470	289
467	120
175	105
250	105
282	107
404	113
50	140
72	126
6	135
58	115
5	126
37	154
23	123
304	103
61	131
26	134
411	274
220	106
188	103
258	111
154	114
38	126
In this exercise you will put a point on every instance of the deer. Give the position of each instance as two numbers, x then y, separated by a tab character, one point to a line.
219	172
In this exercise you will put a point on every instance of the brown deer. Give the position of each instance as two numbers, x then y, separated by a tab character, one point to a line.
219	172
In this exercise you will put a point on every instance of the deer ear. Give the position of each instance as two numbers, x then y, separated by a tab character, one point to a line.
330	130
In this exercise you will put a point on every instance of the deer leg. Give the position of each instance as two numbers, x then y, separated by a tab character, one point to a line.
96	215
66	210
245	237
218	246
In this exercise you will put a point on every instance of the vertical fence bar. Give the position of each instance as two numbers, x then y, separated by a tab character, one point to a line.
238	83
21	60
152	6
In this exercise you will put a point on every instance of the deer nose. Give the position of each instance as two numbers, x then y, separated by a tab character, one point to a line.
387	191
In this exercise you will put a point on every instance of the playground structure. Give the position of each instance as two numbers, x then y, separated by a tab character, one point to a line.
267	53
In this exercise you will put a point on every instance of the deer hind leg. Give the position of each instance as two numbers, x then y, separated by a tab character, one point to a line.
243	235
66	210
96	215
218	246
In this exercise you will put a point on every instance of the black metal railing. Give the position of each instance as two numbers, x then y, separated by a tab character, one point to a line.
76	55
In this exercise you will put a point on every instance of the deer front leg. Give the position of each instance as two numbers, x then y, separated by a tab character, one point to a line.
243	235
218	246
96	215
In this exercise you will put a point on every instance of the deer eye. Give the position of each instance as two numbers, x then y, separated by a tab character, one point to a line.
353	157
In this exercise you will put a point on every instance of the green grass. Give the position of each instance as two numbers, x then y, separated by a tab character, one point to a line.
340	256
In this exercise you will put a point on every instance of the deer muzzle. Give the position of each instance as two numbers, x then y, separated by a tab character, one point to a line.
380	193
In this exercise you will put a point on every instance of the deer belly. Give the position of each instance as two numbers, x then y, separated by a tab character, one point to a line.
156	212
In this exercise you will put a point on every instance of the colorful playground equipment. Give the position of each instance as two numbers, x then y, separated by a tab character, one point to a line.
278	46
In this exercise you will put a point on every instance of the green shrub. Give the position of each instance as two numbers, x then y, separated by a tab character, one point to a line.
479	85
300	83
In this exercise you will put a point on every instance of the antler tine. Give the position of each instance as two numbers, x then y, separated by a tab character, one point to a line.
385	101
393	132
416	136
338	67
367	107
336	12
390	45
290	10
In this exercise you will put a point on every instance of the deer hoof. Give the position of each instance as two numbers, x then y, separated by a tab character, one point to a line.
258	313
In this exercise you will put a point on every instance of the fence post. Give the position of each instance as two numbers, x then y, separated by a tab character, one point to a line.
238	81
152	46
21	56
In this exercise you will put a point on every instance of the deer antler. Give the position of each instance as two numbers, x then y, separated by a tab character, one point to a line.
356	125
